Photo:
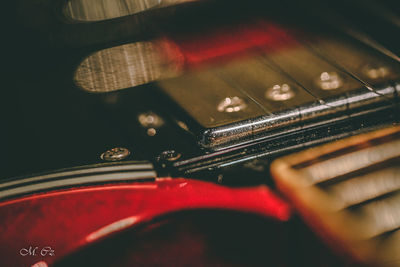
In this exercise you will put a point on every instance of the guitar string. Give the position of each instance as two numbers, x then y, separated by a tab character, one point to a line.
269	63
324	56
341	24
299	84
379	9
236	87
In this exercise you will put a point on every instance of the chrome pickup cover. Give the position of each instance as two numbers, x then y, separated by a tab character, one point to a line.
284	88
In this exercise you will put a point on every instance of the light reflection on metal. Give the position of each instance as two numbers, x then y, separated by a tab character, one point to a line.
280	92
150	120
232	104
170	155
242	131
98	10
112	228
151	132
329	81
375	72
115	154
124	66
183	125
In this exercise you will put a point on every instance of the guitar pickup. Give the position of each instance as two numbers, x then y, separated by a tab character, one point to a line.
348	191
282	89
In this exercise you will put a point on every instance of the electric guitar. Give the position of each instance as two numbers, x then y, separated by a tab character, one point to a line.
143	132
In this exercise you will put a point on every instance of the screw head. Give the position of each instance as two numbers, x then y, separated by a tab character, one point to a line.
280	92
150	120
220	178
329	81
170	155
375	72
151	132
231	104
115	154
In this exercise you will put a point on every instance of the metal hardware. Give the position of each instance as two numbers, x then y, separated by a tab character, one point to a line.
280	92
151	132
170	155
150	120
376	71
115	154
329	81
232	104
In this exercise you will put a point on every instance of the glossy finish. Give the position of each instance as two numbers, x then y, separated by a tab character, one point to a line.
325	84
68	219
248	130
